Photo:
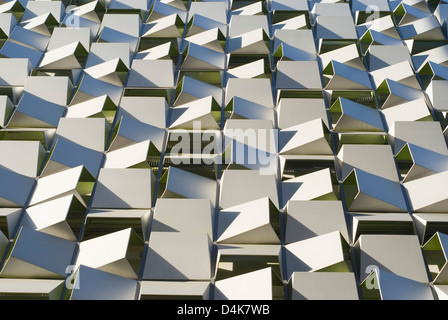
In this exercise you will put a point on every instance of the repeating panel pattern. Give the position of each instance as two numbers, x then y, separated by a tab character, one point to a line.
223	149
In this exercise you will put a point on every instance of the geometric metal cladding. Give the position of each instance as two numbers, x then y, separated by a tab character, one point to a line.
225	149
